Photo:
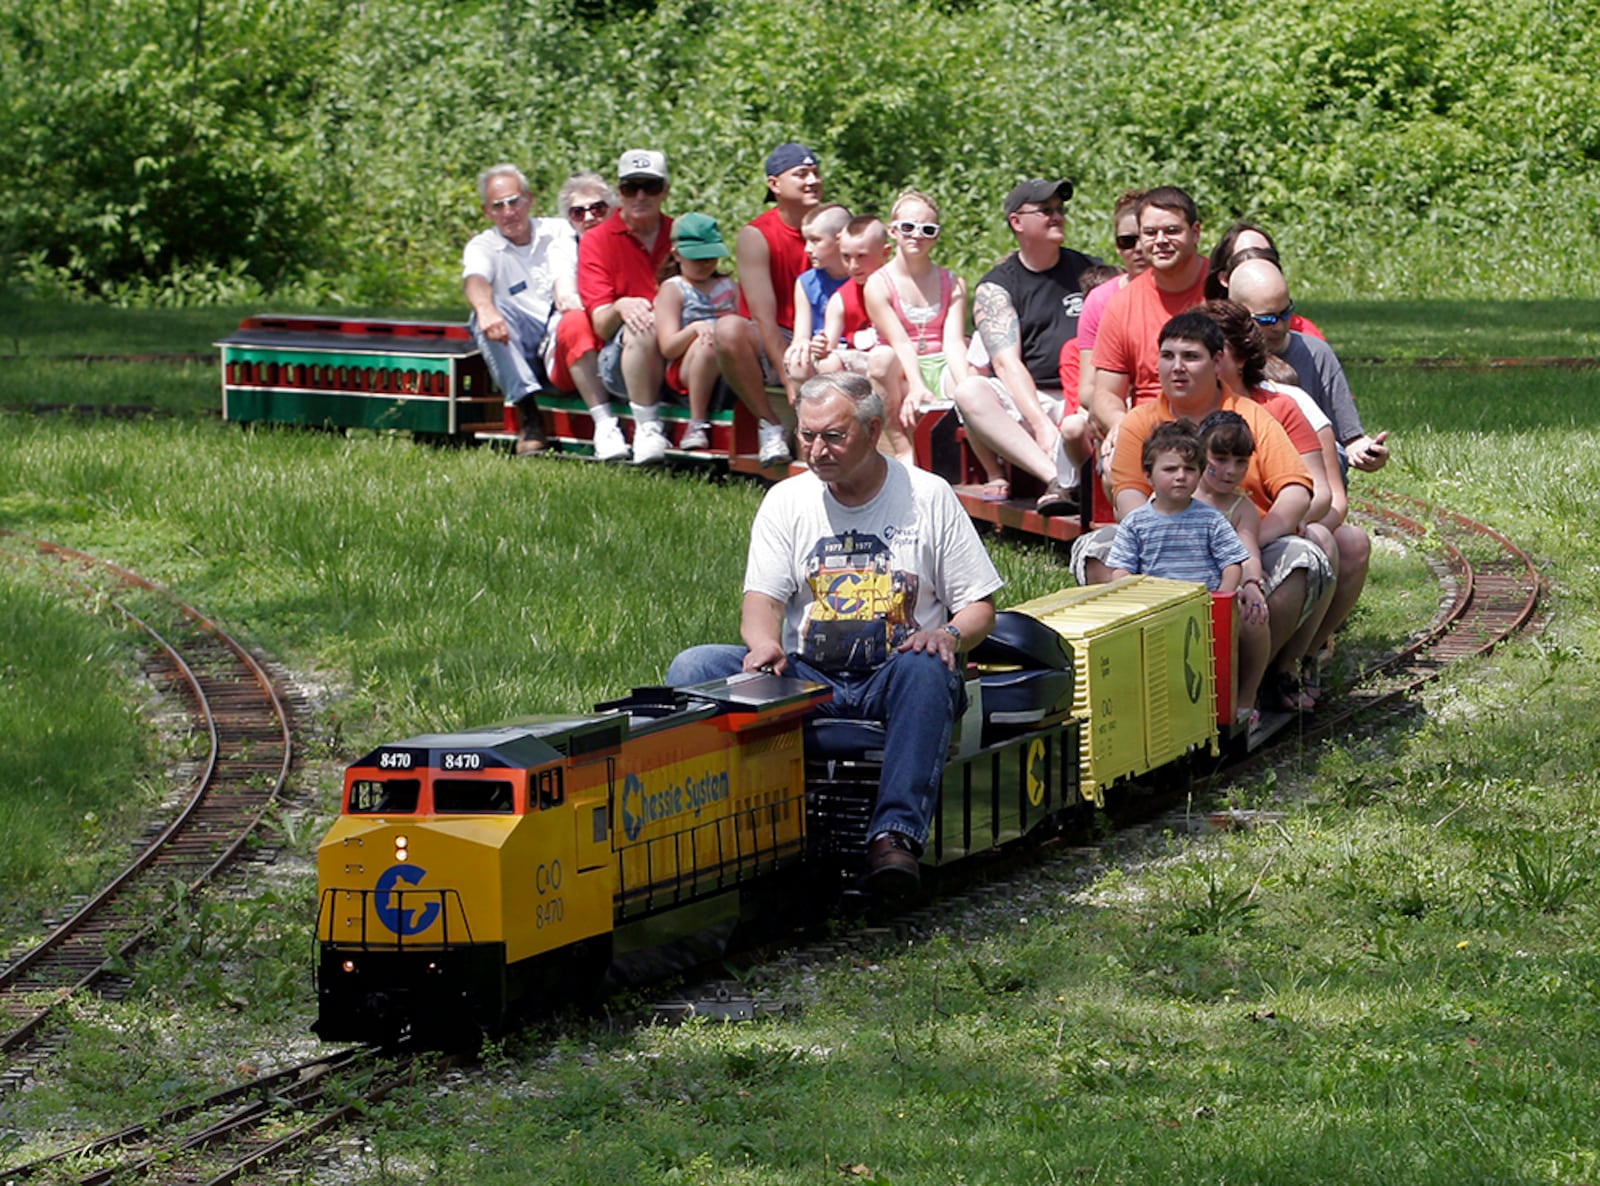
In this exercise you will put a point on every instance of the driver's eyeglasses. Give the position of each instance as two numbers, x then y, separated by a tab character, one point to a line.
510	203
1274	318
593	210
832	439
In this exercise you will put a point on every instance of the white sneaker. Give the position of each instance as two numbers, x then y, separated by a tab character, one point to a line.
609	443
774	448
649	443
696	436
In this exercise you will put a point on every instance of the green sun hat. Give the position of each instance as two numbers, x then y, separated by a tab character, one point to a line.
696	236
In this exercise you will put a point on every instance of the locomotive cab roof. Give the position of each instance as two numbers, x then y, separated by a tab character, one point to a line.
519	745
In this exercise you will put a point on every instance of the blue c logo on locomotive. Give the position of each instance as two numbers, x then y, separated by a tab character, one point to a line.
403	920
692	795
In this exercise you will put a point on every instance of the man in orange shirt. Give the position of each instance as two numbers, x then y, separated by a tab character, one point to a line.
1126	372
1298	578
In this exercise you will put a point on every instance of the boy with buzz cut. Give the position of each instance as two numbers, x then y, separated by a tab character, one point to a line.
1173	535
821	229
864	247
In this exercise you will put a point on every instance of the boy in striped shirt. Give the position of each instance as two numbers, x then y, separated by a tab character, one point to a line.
1172	535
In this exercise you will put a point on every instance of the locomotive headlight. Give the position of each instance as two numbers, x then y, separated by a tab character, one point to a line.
400	849
348	965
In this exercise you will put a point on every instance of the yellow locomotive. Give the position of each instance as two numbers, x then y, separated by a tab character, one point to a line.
471	874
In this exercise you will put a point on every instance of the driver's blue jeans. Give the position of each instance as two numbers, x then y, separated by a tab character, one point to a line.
915	695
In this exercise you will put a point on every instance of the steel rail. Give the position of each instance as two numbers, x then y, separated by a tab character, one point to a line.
234	705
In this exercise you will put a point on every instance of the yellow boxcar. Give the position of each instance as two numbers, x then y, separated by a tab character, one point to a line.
1146	688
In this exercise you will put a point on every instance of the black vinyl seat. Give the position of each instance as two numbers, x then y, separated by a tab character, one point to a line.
1019	640
1027	676
1024	699
838	739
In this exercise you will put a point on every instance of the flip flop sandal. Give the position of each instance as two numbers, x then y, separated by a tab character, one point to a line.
1311	681
1284	691
1056	501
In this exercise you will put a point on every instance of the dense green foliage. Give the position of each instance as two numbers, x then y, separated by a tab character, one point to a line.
170	153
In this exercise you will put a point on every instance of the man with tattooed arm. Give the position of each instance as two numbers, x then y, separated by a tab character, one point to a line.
1025	309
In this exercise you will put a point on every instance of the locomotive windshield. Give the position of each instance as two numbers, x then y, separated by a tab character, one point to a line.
473	796
391	796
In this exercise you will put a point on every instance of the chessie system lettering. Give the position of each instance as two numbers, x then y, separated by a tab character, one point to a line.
643	805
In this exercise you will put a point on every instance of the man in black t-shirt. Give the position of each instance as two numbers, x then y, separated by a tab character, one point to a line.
1025	310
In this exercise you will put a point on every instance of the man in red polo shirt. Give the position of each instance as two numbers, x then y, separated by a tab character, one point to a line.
617	263
771	255
1126	350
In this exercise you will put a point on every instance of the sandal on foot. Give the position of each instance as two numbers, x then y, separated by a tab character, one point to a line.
1311	682
1056	500
1283	691
996	490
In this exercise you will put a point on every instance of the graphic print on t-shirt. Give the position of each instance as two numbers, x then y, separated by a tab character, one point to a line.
861	610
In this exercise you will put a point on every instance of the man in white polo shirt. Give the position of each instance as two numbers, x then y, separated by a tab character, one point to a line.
515	275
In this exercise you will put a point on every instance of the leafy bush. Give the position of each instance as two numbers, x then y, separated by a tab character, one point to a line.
1449	147
143	144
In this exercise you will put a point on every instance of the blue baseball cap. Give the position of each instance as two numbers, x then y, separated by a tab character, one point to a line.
785	157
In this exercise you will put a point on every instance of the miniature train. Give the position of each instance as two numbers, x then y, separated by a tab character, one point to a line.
428	378
473	875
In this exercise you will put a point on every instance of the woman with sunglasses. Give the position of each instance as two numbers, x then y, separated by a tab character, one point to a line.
920	311
1241	243
1125	230
571	348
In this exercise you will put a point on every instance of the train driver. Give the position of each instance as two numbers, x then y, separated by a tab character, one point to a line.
866	575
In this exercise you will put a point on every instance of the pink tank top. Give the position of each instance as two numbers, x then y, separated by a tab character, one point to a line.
927	332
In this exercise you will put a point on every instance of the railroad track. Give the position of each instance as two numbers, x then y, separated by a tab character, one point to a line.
234	707
221	1138
1491	597
1490	591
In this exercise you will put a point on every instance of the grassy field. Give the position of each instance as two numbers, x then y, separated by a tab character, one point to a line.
1398	330
72	746
1396	982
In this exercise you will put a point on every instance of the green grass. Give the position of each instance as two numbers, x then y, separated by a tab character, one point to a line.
1515	401
185	387
1083	1036
441	587
1395	984
1460	329
53	329
74	753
